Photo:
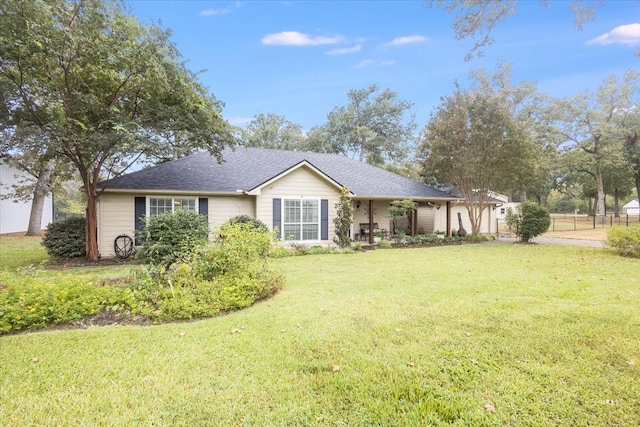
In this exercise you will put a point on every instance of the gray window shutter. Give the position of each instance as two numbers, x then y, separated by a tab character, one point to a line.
203	206
324	219
140	210
277	216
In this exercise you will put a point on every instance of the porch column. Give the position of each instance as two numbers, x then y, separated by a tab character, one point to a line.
370	221
448	218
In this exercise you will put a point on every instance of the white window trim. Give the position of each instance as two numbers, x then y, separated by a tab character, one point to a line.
161	196
300	199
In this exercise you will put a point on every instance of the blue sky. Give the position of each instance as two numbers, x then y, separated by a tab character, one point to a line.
299	59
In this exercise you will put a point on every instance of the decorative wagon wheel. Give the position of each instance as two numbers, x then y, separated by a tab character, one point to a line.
123	246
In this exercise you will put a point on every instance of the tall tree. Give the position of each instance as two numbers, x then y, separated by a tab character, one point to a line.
37	166
99	86
374	127
595	124
526	105
473	142
273	131
477	19
632	145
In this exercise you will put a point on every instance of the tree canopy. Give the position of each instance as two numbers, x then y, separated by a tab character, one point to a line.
597	123
98	88
273	131
473	142
374	127
478	19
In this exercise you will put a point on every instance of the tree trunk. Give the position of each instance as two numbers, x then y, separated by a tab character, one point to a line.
602	212
39	197
616	203
92	226
637	178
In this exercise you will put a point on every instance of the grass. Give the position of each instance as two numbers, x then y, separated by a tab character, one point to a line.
475	335
17	250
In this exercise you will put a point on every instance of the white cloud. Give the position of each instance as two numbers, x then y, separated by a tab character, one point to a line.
623	34
215	12
371	63
345	50
294	38
398	41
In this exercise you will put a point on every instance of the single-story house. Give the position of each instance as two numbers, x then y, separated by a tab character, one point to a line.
14	214
631	208
291	190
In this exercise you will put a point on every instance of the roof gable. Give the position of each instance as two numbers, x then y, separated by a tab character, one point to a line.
304	163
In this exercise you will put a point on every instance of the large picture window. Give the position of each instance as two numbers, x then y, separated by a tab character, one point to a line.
160	205
301	219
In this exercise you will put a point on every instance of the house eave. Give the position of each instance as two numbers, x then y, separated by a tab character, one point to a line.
172	192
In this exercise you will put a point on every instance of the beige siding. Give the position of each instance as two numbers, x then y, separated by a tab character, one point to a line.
440	219
222	209
426	219
115	217
380	213
488	224
302	182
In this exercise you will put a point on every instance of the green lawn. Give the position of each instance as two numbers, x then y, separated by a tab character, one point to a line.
487	334
17	251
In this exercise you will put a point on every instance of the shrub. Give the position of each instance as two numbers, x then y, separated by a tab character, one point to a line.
529	220
28	302
65	239
246	219
383	244
343	218
624	240
229	274
170	237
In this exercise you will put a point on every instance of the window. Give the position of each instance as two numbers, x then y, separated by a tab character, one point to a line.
301	219
160	205
502	211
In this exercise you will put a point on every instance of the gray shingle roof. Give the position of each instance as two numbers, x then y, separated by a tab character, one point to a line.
247	168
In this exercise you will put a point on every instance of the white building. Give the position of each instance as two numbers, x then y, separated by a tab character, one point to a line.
503	205
631	208
14	216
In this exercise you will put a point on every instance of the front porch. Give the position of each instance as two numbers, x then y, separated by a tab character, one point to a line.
428	216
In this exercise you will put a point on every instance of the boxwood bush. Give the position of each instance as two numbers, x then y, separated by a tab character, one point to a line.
65	239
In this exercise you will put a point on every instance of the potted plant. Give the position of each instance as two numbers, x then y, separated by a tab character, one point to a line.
439	233
377	236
